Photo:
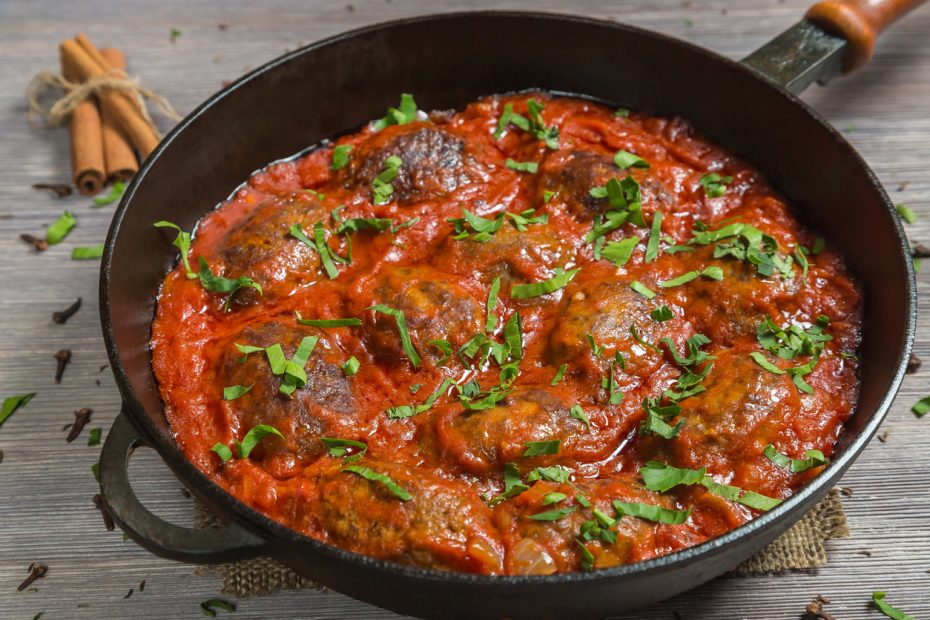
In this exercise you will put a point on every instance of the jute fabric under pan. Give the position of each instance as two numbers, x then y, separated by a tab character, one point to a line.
801	547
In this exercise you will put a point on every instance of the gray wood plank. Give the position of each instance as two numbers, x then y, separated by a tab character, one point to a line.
46	484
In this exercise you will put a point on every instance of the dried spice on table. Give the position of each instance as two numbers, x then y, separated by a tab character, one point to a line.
61	317
81	418
63	357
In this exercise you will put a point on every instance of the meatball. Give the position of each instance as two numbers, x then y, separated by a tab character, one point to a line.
323	407
261	247
516	257
444	525
547	546
434	307
607	310
432	162
484	441
744	407
571	175
731	308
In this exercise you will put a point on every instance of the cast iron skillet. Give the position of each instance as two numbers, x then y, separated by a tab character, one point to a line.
447	61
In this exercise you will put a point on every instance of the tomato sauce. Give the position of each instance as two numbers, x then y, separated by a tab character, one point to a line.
546	421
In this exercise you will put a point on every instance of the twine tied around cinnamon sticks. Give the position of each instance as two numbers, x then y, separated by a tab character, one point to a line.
106	110
75	93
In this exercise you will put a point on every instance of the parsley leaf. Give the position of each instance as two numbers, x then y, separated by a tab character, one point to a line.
537	289
405	341
381	188
183	243
526	166
340	448
116	192
625	159
60	228
369	474
405	113
12	403
541	448
715	185
619	252
87	252
812	458
651	512
235	391
218	284
878	599
340	156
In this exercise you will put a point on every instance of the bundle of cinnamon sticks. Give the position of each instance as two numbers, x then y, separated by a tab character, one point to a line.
104	127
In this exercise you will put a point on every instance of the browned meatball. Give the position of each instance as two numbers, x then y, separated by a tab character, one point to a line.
516	257
432	162
444	525
733	419
547	546
261	247
484	441
434	307
571	175
607	310
324	405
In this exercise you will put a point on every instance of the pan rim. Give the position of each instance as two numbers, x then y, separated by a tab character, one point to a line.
277	533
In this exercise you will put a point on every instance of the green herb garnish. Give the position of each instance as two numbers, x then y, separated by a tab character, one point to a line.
578	413
218	284
183	243
713	272
88	252
116	192
537	289
812	458
12	403
208	608
475	227
369	474
559	375
340	448
619	252
340	156
235	391
93	437
406	411
405	341
347	322
903	210
553	515
642	289
522	166
403	114
625	159
662	314
381	188
715	185
650	512
541	448
652	246
350	366
60	228
512	485
920	408
878	599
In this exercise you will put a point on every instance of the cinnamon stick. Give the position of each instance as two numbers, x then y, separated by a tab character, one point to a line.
120	161
87	159
88	62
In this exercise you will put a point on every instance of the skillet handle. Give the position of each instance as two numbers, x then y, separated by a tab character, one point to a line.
203	546
860	22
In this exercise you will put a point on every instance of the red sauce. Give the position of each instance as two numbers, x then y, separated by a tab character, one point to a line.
450	460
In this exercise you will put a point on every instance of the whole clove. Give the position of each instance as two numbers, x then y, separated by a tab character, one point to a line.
81	418
63	356
104	512
40	245
913	364
142	586
1	456
62	317
128	594
919	250
884	436
815	609
36	571
61	190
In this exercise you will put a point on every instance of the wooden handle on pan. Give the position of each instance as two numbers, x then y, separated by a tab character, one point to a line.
859	22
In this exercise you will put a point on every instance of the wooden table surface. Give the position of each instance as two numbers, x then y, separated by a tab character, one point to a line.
46	485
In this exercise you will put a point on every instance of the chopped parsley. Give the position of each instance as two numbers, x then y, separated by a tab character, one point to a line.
350	366
560	374
183	243
347	322
60	228
537	289
715	185
235	391
903	210
341	448
713	273
12	403
812	458
625	201
642	289
403	114
490	323
208	608
88	252
878	599
475	227
652	246
292	369
578	413
790	342
512	485
541	448
381	188
746	243
526	218
651	512
218	284
534	124
116	192
919	409
662	314
619	252
358	224
522	166
407	411
93	437
553	515
340	156
248	443
625	159
661	477
405	341
369	474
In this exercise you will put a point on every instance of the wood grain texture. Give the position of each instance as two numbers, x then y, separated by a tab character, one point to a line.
46	513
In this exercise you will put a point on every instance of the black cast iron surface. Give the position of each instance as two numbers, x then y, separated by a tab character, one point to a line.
278	110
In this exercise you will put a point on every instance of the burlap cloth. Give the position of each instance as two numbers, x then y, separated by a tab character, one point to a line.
800	548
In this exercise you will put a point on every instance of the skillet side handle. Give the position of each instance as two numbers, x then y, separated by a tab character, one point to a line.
860	22
201	546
